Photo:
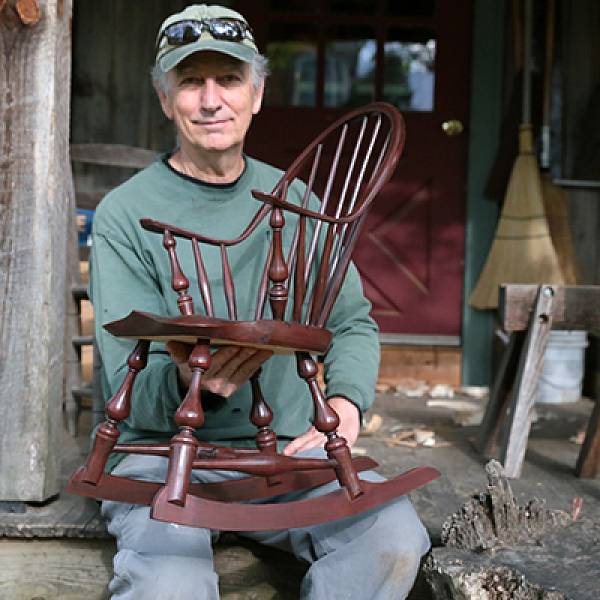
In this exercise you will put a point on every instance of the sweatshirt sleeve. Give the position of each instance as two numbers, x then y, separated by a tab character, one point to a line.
352	361
120	282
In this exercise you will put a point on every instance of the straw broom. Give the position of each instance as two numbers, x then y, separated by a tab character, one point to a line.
522	250
555	202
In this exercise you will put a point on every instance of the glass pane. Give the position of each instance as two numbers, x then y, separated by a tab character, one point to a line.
409	70
293	66
410	8
350	72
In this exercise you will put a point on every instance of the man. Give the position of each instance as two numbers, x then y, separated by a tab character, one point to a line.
209	78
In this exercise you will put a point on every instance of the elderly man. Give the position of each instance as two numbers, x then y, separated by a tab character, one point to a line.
210	78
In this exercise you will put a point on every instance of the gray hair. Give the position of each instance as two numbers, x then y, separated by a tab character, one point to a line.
259	70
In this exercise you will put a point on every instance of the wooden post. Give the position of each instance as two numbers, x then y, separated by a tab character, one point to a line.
35	196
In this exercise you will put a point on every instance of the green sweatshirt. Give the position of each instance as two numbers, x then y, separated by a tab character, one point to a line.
129	270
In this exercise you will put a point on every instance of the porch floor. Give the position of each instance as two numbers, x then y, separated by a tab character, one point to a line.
81	567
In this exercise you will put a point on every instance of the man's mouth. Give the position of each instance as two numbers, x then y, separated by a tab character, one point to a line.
211	123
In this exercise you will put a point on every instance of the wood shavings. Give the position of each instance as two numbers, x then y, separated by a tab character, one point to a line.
578	438
414	438
576	506
441	390
372	425
412	388
358	451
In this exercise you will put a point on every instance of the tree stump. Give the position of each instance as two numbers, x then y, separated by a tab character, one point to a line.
497	550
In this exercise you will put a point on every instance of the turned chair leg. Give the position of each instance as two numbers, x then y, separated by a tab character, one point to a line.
117	410
189	416
261	417
327	421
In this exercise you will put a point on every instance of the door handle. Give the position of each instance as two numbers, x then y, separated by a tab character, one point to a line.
452	127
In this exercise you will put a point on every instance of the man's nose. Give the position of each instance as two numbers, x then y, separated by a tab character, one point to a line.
210	96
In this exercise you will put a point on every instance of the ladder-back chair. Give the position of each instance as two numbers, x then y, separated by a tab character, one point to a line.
343	169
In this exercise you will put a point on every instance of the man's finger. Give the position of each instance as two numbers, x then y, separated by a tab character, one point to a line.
229	368
250	366
311	439
220	358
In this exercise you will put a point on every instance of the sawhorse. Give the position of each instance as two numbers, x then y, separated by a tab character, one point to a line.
528	313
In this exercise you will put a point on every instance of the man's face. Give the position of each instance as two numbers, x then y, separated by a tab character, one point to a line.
211	100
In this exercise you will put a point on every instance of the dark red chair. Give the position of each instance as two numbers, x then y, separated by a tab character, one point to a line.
344	167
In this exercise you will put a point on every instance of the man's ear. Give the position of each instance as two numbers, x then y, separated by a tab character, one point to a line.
258	98
165	103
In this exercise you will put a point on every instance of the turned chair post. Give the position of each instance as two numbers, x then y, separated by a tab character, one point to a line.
117	410
189	417
278	271
326	420
179	282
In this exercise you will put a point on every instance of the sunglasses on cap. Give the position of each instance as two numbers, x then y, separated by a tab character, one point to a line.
190	31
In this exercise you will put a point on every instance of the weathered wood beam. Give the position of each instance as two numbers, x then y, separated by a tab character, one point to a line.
112	155
575	307
35	67
528	373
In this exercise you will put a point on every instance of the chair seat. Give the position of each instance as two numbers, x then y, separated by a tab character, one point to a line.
279	336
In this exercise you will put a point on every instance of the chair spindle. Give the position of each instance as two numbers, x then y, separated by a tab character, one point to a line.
203	283
278	271
325	200
179	282
228	284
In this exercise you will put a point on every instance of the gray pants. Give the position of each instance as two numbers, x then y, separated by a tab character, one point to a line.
371	556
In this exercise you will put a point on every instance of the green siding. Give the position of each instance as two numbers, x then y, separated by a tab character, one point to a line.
489	34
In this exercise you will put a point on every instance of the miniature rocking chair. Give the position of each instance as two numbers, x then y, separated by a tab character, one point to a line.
343	169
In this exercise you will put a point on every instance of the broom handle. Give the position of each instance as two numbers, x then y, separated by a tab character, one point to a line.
527	62
550	20
517	18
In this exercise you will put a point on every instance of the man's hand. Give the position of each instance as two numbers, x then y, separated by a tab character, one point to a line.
349	427
230	366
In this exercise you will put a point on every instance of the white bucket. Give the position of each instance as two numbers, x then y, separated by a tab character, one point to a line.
561	378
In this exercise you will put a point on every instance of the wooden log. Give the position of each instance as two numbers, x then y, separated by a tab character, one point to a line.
35	64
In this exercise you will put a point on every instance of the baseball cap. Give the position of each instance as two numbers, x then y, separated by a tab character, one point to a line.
169	56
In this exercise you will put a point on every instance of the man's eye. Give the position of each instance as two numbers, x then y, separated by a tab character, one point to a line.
231	78
190	81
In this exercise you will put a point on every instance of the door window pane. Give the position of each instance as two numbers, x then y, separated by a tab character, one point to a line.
350	61
409	70
293	66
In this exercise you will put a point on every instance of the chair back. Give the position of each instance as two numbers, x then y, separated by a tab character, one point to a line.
342	171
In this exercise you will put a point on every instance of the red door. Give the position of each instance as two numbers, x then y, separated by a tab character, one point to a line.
329	55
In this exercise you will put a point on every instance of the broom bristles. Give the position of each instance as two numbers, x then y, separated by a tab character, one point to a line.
557	213
522	251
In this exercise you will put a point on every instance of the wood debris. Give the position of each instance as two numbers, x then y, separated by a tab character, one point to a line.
412	388
372	425
464	412
578	438
415	437
441	390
